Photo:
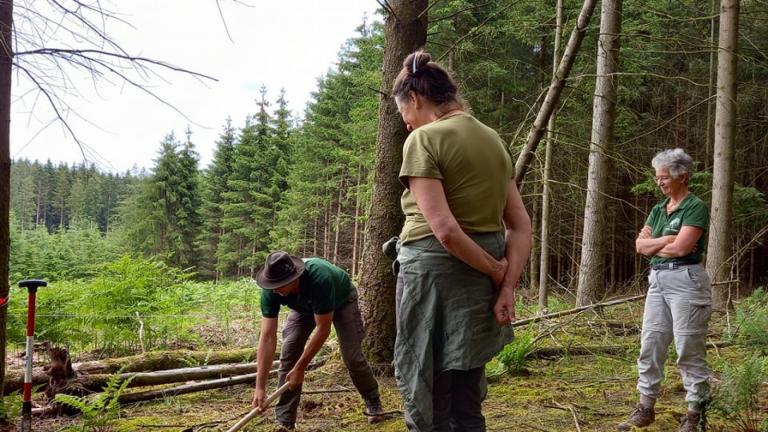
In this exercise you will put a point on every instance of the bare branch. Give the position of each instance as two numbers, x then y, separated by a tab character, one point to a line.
80	29
476	28
223	20
54	106
385	5
430	6
459	12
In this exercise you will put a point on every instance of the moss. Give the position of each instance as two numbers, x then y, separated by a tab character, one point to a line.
600	388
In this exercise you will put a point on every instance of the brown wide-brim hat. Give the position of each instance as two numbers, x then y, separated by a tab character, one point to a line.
280	269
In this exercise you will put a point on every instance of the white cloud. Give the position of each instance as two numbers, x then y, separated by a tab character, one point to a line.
286	43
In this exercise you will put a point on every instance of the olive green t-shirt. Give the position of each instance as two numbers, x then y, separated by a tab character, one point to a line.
692	212
474	165
323	288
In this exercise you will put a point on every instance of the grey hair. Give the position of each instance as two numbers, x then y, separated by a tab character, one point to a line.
676	161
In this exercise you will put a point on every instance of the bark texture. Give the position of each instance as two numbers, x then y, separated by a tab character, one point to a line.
545	192
720	228
6	62
592	266
405	30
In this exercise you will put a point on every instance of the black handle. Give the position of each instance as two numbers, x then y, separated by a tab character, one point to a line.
32	284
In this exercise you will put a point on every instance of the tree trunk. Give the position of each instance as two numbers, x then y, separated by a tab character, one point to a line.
720	228
545	198
555	89
356	228
711	84
337	224
6	61
533	263
592	265
405	30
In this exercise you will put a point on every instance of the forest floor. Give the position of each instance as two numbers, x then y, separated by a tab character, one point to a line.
567	393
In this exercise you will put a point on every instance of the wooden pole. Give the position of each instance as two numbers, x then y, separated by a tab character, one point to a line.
256	411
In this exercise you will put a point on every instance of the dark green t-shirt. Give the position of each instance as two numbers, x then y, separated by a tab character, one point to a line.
323	288
692	212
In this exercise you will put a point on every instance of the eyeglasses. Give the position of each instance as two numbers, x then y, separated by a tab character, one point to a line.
658	179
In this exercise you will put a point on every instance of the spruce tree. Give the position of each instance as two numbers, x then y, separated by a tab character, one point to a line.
214	186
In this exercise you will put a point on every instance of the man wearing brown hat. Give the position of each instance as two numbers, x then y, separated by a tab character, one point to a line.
319	294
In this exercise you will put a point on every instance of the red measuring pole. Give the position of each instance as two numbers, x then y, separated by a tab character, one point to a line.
26	408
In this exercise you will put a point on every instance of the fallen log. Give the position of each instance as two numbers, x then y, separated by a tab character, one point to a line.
127	398
163	360
142	379
207	385
151	361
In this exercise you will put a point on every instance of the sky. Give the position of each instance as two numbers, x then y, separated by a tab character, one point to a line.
277	43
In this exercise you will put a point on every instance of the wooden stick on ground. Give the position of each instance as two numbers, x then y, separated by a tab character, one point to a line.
256	411
527	321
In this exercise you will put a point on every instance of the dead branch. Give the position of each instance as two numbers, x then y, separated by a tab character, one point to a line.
532	320
80	27
555	89
557	352
573	413
459	12
426	10
325	391
476	28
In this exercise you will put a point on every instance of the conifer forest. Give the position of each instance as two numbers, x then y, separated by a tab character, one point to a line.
151	272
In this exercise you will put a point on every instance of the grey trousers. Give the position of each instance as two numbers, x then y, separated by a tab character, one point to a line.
677	307
349	330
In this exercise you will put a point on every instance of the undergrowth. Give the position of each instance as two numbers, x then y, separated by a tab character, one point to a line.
99	412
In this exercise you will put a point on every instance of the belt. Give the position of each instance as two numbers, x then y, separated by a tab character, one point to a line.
671	266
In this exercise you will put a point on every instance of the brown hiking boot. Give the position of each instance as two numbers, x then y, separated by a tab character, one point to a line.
640	417
373	411
691	422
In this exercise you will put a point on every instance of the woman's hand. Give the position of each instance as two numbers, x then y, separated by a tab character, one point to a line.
645	233
504	309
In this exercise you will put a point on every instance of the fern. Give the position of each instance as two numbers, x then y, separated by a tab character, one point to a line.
10	407
513	356
98	412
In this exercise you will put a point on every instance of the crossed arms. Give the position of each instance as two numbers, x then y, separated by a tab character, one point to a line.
668	246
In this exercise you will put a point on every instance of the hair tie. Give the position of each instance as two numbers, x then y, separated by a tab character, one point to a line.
414	64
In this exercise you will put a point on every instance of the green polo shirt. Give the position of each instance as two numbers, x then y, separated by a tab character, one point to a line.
692	212
323	288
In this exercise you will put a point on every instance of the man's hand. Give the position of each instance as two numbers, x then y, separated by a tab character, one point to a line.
259	397
504	309
501	272
295	377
